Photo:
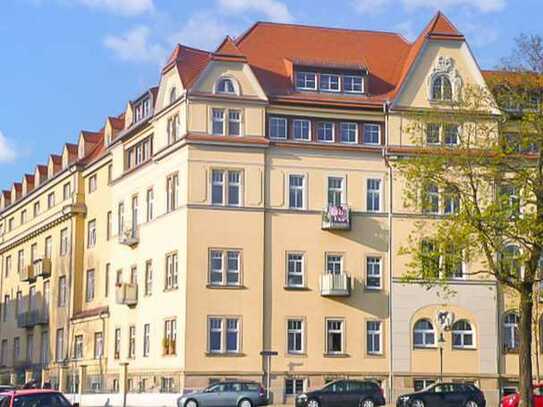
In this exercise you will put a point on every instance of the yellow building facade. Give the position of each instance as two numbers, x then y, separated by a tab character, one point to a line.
247	203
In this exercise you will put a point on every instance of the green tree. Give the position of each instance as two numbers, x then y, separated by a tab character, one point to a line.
476	170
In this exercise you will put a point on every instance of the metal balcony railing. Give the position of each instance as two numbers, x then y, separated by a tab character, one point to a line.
29	319
335	285
126	294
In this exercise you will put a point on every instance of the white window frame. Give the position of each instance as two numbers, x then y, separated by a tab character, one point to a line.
370	193
225	184
304	76
424	332
273	120
329	261
298	189
237	121
510	331
224	79
374	333
295	381
372	274
295	274
330	331
93	183
224	271
223	332
335	190
171	280
298	333
368	126
346	123
329	77
302	123
218	117
345	77
91	234
146	340
462	334
321	123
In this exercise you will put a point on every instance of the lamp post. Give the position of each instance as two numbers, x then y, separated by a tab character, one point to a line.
441	343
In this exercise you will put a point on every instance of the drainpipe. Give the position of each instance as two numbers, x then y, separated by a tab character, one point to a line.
386	109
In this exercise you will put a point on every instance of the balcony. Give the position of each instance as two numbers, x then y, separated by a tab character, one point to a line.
129	237
27	274
335	285
336	217
29	319
126	294
42	267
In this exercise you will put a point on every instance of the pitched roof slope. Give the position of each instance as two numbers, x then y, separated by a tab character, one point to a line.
189	62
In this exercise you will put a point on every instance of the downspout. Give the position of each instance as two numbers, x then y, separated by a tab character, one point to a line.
386	109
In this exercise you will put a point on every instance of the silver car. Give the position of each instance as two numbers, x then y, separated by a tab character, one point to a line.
226	394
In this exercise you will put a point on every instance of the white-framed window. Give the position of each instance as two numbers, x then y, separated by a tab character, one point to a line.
278	128
232	193
50	200
150	201
353	84
234	122
336	192
36	208
16	348
173	128
117	344
462	335
372	134
329	82
294	386
91	234
66	191
451	202
348	132
148	287
431	204
450	136
295	270
98	345
296	191
23	216
78	347
301	129
173	95
62	291
64	242
511	260
373	195
433	133
225	86
171	271
325	132
453	260
59	345
93	183
131	342
29	347
172	192
374	272
224	267
20	260
120	219
295	336
511	331
89	293
224	335
306	80
335	336
374	337
146	340
441	88
424	335
334	263
217	127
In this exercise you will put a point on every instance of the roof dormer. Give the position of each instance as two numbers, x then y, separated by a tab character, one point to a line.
329	77
113	126
69	154
87	143
54	165
5	198
16	191
40	174
28	183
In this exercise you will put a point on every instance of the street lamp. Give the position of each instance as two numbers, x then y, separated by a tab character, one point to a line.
441	344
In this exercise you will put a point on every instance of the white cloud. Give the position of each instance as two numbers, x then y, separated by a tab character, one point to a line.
136	46
273	9
125	7
7	151
479	35
481	5
202	30
370	6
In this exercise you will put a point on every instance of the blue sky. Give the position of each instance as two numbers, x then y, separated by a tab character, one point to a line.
67	64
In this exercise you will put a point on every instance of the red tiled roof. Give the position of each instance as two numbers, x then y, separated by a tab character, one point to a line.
42	169
18	186
189	63
513	78
228	51
29	179
116	122
57	159
92	137
441	26
72	148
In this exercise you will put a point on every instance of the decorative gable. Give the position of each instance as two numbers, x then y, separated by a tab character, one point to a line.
443	75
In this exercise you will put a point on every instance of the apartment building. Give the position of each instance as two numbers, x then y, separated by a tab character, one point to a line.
247	203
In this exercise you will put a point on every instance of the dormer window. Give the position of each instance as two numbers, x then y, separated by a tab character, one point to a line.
306	80
226	86
142	109
329	82
442	88
173	95
353	84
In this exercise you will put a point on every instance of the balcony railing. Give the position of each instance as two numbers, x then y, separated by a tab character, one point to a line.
27	274
336	217
29	319
126	294
42	267
335	285
129	237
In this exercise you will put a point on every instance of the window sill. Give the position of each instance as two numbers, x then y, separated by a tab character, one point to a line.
373	289
468	348
296	354
295	288
226	286
336	355
416	347
225	354
170	289
375	355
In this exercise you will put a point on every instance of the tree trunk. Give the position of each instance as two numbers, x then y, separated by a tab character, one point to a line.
525	351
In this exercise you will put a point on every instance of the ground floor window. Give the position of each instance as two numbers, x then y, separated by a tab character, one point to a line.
419	384
294	386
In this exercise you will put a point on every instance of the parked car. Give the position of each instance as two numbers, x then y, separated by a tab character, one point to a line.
226	394
444	395
344	393
34	397
7	387
513	399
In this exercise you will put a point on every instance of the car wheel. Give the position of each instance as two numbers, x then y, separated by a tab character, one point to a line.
313	403
245	403
417	403
191	403
471	403
367	403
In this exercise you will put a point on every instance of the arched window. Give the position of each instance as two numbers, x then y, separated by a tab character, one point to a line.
424	334
462	334
441	88
225	85
510	331
173	95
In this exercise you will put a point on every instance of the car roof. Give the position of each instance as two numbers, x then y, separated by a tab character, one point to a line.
26	392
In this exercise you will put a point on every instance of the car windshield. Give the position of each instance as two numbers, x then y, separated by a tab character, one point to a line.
41	400
336	387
